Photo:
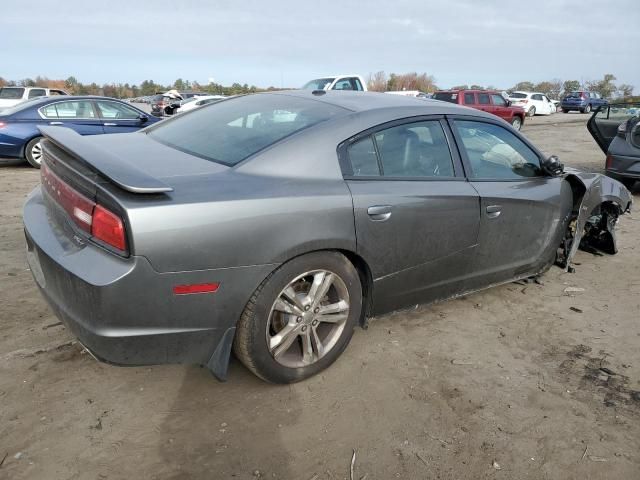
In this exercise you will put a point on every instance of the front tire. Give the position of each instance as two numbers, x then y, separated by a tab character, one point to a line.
587	109
564	110
531	112
33	152
300	319
516	123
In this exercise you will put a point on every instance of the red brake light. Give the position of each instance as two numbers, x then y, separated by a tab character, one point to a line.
2	124
608	162
108	227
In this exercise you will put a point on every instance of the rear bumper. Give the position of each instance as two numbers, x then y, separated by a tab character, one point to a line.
623	167
123	310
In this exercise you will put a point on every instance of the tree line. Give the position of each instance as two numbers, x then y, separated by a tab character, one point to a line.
125	90
555	88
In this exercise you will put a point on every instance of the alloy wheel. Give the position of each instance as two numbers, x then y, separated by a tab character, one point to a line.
307	318
36	152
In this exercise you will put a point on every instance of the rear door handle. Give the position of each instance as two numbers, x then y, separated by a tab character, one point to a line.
56	123
493	211
379	213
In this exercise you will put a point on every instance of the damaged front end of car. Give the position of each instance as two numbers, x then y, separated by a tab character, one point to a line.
598	201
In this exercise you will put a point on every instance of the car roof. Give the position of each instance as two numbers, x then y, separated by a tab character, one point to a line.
356	101
66	98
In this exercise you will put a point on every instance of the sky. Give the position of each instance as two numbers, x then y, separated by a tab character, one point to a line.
285	43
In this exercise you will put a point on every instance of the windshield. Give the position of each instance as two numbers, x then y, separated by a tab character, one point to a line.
318	84
451	97
12	93
229	131
518	95
20	106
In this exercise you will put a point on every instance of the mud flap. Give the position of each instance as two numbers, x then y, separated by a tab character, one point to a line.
218	364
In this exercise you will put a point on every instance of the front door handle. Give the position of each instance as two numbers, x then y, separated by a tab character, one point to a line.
56	123
110	124
494	211
379	213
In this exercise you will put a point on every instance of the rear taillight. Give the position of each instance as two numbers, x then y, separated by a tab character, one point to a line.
90	217
108	228
2	124
608	162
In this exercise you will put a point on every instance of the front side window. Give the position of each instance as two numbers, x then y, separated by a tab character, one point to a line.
69	110
318	84
116	111
37	92
230	131
498	100
415	150
343	84
496	153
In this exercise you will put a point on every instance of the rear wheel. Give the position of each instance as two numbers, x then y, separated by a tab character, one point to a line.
33	152
564	110
300	319
531	112
516	123
587	109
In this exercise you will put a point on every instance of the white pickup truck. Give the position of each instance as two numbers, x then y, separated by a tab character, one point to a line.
10	96
337	82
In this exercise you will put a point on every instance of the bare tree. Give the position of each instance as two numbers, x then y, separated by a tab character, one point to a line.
377	82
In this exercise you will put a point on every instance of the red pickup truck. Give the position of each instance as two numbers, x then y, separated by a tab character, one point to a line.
487	100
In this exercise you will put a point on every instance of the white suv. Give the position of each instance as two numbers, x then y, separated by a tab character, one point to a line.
10	96
337	82
534	103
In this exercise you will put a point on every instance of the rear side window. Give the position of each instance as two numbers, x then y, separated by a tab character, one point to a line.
450	97
418	150
496	153
483	99
469	98
230	131
69	110
11	93
537	96
37	92
518	95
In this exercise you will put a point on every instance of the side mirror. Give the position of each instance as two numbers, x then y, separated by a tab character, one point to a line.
508	102
143	118
552	166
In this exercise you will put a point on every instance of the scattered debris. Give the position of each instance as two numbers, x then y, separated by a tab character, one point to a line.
314	477
257	473
496	465
353	461
585	452
575	309
607	371
420	457
593	458
3	459
51	325
570	290
461	362
18	455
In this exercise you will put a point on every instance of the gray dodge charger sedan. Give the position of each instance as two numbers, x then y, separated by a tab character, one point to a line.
274	224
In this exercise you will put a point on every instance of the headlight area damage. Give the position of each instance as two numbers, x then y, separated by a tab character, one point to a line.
598	201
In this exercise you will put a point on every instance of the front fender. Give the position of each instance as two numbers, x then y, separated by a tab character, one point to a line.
596	194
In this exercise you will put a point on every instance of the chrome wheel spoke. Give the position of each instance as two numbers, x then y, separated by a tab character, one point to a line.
290	294
339	307
281	341
307	348
319	347
322	282
335	318
284	305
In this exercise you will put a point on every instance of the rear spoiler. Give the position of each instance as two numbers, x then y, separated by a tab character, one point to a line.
123	174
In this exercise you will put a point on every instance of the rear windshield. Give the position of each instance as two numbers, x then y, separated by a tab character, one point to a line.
318	84
575	95
446	96
5	112
12	93
518	95
229	131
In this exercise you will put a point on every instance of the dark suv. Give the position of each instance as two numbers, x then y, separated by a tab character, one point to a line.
582	101
490	101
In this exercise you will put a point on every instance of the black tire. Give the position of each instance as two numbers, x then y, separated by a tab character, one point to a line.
531	112
250	342
587	109
516	122
564	110
30	154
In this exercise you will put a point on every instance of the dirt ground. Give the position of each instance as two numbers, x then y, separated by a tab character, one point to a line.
517	382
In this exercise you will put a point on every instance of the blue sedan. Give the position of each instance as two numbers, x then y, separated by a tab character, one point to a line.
20	136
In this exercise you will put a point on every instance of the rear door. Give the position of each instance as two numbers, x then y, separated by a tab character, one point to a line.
119	118
484	102
417	219
603	124
522	210
79	115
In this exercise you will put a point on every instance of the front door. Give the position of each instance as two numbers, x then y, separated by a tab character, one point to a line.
119	118
523	212
416	218
603	124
